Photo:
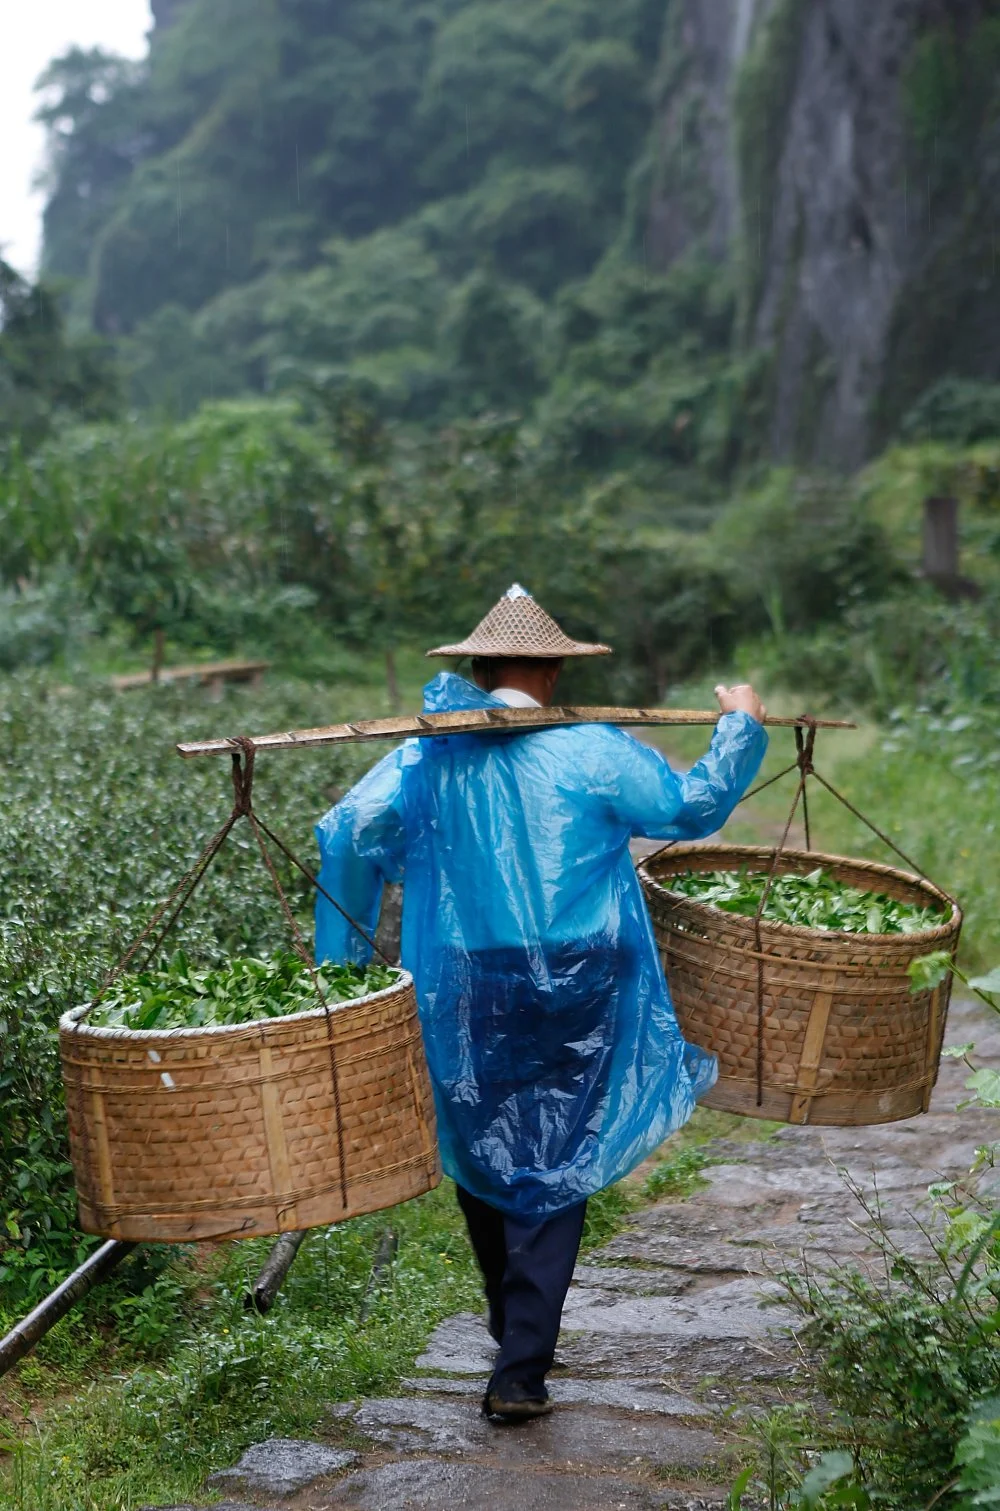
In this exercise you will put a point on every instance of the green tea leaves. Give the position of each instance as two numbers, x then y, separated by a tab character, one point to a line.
245	989
814	901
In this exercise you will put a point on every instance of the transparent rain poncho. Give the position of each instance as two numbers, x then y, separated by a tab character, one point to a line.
555	1056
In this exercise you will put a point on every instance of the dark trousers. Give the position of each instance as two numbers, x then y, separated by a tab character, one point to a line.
527	1268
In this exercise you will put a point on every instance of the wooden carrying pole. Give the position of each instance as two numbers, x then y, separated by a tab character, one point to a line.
22	1338
481	721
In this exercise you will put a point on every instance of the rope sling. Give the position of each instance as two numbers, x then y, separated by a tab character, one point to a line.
805	744
169	911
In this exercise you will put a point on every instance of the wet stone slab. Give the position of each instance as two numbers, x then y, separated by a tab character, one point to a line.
280	1466
461	1345
635	1281
683	1364
627	1395
420	1425
433	1486
732	1309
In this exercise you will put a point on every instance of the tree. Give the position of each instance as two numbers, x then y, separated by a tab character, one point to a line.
43	374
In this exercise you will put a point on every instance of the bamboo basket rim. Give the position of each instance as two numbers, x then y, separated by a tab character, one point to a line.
69	1022
648	871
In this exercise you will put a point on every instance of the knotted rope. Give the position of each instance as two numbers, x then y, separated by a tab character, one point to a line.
805	745
167	914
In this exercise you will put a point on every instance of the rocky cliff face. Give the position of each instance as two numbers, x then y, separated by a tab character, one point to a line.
164	11
845	156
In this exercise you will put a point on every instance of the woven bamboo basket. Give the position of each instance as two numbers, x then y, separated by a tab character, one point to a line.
212	1133
844	1040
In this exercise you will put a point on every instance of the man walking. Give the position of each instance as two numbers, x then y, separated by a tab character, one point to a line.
555	1056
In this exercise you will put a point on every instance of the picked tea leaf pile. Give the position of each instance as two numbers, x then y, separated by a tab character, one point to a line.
814	901
180	995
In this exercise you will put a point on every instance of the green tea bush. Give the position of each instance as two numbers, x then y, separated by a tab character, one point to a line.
98	820
41	618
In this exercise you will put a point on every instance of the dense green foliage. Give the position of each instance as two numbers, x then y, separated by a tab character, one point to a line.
98	820
815	900
178	995
374	189
904	1355
261	526
45	376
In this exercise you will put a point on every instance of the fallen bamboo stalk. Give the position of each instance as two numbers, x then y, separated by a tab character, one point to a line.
22	1338
481	720
260	1296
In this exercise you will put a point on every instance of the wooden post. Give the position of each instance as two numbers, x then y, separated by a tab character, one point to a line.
941	564
392	681
158	638
941	540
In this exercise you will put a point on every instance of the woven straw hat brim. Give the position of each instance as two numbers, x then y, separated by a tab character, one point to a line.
479	645
518	626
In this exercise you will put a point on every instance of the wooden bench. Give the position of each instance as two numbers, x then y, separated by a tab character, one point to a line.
212	674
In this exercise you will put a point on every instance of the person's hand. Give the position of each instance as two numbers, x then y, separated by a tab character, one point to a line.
741	699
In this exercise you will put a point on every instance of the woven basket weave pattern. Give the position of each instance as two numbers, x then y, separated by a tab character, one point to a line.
845	1041
212	1133
519	627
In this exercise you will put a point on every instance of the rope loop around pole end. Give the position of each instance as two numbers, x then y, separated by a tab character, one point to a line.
805	744
243	764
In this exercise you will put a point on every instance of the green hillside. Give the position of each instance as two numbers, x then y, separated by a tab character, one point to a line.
390	192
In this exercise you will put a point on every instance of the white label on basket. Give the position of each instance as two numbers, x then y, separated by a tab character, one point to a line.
154	1055
167	1080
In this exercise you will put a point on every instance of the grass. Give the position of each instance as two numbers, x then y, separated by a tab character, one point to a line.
163	1376
187	1381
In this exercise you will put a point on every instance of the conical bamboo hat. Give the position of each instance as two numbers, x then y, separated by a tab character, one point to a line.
518	626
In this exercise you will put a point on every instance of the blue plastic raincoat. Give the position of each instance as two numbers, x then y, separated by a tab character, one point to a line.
554	1053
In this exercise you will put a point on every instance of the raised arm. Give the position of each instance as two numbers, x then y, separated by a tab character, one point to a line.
659	803
361	843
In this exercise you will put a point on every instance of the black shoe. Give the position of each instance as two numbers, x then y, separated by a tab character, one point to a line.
516	1403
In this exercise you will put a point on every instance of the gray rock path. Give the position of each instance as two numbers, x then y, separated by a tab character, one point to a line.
667	1340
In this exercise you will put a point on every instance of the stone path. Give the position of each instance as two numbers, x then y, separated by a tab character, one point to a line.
665	1346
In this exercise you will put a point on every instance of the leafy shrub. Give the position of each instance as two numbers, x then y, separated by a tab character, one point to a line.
904	1364
41	618
909	648
802	550
959	411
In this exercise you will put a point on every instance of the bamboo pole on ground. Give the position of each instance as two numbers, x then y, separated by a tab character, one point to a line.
22	1338
260	1296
